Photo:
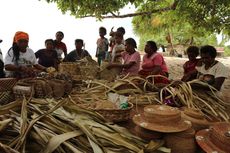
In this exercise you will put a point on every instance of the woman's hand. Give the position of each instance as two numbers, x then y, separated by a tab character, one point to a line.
28	70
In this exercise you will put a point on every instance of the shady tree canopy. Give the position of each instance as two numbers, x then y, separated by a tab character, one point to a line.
212	15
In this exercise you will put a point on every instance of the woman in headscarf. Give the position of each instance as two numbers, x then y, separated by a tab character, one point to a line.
154	64
20	61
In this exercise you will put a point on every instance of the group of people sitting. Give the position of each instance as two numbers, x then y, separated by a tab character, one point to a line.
21	61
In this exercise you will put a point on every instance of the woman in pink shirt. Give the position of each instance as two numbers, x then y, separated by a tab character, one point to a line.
154	64
130	59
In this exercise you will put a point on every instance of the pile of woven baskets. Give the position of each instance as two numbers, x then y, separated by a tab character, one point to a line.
83	69
42	88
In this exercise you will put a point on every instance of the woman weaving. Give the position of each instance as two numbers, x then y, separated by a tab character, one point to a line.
20	61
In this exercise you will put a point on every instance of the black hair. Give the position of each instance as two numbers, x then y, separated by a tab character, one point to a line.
132	42
16	52
79	41
103	29
193	49
152	44
118	34
49	40
207	49
121	30
60	33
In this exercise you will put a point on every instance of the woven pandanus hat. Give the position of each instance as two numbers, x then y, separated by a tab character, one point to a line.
161	118
216	139
197	118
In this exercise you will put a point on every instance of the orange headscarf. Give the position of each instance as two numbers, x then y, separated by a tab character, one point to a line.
20	35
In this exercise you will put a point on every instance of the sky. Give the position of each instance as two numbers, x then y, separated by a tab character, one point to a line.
41	20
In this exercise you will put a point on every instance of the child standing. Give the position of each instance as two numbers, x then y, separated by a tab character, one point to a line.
60	46
112	42
102	46
118	48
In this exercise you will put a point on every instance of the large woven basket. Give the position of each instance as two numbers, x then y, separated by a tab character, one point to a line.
71	68
116	115
6	84
181	142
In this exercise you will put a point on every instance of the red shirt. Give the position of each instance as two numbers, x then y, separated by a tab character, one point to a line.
190	66
155	59
60	47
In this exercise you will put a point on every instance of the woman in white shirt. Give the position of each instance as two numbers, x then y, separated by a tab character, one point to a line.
20	61
211	71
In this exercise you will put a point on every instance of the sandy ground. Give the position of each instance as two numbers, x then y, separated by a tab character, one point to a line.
175	66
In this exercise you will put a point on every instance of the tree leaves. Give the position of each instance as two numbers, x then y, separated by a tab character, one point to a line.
211	15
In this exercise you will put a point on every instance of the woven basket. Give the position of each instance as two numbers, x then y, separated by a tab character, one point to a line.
6	97
108	74
71	68
21	91
6	84
116	115
181	142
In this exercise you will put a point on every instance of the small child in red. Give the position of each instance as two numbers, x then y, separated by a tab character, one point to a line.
190	72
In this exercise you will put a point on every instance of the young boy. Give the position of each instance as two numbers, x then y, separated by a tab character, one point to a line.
102	46
112	42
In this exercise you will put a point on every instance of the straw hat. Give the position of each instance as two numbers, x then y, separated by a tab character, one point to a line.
216	139
161	118
197	118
